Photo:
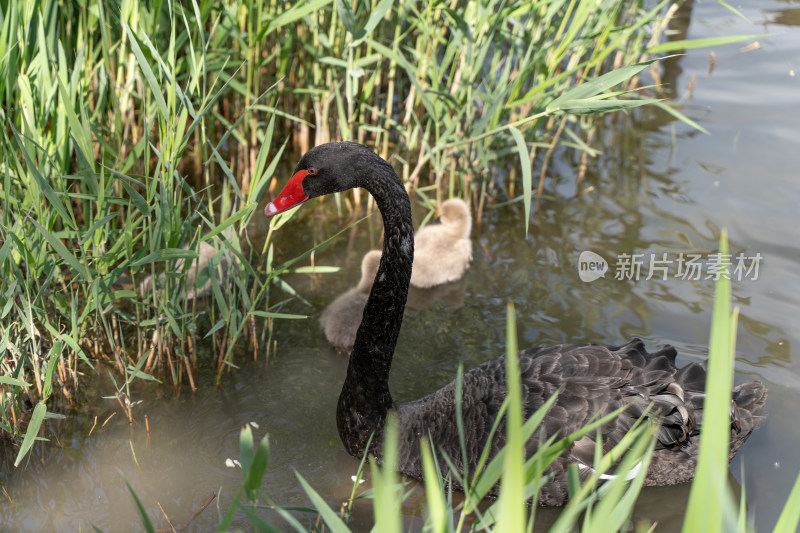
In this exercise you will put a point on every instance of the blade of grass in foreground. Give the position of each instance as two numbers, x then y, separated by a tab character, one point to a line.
511	500
328	515
790	516
33	429
386	507
254	462
710	500
434	490
146	523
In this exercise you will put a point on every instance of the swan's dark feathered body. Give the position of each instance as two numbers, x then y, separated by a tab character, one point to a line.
593	379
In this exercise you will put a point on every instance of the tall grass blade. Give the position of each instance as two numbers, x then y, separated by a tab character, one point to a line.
33	430
595	87
155	86
256	469
386	508
43	184
789	518
78	129
331	519
511	501
374	19
165	254
434	491
78	267
732	9
710	501
298	11
527	179
8	380
680	116
259	523
148	525
672	46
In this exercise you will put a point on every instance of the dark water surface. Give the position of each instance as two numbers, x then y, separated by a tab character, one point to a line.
659	188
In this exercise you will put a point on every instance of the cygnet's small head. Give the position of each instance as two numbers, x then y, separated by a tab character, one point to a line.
369	269
454	214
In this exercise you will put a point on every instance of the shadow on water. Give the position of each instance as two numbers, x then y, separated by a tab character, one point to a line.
658	188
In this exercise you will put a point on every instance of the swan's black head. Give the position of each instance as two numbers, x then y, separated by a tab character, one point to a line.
325	169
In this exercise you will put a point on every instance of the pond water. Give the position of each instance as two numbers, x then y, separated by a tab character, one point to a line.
659	188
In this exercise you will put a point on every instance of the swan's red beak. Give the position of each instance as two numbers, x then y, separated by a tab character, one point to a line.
291	195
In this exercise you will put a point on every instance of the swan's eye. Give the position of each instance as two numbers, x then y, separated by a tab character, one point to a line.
311	171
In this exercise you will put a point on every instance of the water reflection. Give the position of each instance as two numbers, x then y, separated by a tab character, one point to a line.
659	187
784	17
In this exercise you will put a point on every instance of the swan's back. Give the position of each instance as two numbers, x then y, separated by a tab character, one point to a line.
442	252
593	380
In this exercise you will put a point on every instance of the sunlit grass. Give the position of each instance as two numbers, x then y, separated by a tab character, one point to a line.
711	499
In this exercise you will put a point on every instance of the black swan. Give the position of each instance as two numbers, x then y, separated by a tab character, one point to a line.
340	319
442	252
593	378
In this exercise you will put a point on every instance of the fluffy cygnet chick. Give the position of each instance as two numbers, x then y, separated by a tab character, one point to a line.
442	252
197	272
341	318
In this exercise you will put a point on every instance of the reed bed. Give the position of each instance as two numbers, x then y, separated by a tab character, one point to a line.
141	136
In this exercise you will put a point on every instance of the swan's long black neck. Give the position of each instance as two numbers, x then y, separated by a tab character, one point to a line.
365	398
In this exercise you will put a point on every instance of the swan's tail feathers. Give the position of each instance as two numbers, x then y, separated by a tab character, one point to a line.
692	377
667	352
747	412
635	349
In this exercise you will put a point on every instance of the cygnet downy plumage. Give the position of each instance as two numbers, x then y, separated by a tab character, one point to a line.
341	318
198	271
442	252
